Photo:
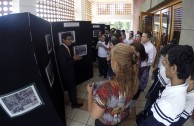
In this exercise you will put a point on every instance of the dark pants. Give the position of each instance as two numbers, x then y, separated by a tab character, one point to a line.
110	72
153	92
143	77
102	65
143	80
72	92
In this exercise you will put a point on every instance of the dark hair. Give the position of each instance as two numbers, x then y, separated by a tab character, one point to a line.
106	39
166	48
182	57
65	35
139	34
131	34
123	31
149	35
140	48
115	41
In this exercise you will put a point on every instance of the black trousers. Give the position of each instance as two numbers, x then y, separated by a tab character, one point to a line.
103	66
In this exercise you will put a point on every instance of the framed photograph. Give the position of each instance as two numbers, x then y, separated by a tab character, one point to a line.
50	73
80	50
61	33
95	33
48	43
21	101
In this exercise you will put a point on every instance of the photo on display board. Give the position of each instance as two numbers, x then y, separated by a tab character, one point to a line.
50	73
80	50
48	43
95	33
21	101
61	33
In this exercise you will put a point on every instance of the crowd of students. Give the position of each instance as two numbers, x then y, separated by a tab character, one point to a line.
127	62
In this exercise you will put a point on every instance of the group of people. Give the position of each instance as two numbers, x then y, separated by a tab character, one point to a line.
169	100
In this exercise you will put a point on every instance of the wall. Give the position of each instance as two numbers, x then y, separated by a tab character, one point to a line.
79	10
187	32
24	6
98	18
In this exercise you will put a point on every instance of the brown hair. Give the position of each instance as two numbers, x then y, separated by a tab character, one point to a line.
127	75
140	48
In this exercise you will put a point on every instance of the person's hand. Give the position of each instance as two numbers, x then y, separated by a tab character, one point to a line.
90	88
76	57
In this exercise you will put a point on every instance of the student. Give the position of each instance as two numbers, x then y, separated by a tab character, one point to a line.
170	104
189	106
110	103
66	65
160	81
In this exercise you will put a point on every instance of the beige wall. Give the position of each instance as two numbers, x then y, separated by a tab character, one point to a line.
24	6
187	32
80	10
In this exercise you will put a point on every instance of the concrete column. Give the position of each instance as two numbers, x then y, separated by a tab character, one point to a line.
187	32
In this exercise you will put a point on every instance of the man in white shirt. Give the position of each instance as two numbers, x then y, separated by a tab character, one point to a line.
145	65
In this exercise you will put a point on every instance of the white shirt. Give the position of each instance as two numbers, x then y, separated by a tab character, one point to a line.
189	106
150	49
102	52
169	106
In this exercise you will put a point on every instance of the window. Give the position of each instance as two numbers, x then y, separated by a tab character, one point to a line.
114	9
56	10
88	10
6	7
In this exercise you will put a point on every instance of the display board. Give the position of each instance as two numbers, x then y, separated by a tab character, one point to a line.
107	27
82	37
46	59
24	96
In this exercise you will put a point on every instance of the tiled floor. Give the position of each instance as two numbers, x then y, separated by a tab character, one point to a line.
81	117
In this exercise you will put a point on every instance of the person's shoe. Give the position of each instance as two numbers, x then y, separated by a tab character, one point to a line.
77	105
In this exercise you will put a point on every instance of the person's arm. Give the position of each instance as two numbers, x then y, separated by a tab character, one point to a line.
94	109
151	56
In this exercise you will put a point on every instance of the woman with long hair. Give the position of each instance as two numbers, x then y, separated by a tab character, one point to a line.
109	104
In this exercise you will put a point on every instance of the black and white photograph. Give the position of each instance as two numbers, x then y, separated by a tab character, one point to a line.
80	50
50	73
21	101
61	33
95	33
48	43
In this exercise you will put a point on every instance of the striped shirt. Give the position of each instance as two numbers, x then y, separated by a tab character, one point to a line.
170	105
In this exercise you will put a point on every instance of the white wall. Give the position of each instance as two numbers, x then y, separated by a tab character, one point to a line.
79	10
24	6
187	32
98	18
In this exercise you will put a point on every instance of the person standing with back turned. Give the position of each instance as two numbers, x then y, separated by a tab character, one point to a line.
109	104
66	66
